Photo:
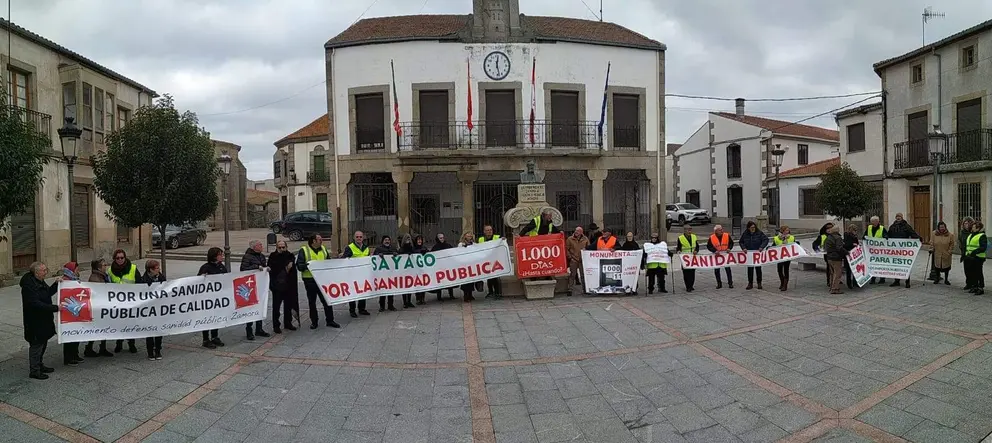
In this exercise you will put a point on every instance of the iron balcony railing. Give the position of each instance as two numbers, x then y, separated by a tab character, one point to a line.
40	121
961	147
318	176
543	134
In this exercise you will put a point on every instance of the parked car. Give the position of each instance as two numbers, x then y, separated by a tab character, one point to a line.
178	236
300	225
684	213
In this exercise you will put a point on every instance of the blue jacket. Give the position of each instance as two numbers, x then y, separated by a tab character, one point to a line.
753	241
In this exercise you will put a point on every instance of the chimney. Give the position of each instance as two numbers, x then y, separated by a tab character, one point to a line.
740	107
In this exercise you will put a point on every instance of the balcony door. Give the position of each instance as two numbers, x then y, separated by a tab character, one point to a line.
918	126
434	120
968	136
564	118
501	114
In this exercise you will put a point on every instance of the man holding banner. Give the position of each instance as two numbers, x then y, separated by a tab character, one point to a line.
494	288
901	229
688	244
313	251
721	242
655	260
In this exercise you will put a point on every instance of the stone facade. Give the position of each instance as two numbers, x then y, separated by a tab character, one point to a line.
237	184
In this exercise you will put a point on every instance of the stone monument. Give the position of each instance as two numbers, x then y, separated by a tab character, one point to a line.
532	200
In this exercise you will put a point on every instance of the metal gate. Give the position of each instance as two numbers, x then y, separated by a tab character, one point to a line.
627	202
492	200
24	238
425	216
372	202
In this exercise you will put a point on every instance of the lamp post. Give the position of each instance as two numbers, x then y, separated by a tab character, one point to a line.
938	148
777	154
225	169
68	136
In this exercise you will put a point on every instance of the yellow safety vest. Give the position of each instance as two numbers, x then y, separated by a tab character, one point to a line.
537	226
788	240
312	255
974	241
356	252
495	237
877	232
130	277
823	239
688	244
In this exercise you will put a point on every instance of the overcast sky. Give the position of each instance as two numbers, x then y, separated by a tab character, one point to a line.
219	57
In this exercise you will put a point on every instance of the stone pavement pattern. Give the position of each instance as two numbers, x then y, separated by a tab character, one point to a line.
879	364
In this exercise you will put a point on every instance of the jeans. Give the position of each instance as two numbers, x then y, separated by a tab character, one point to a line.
70	352
360	304
751	271
494	286
656	275
278	300
154	346
783	270
730	276
258	327
689	278
211	334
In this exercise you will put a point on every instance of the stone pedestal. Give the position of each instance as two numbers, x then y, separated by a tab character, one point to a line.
762	222
539	289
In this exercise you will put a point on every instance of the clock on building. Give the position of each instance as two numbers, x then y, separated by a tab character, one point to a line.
496	65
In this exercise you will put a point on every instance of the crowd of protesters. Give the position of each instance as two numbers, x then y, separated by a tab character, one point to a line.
287	269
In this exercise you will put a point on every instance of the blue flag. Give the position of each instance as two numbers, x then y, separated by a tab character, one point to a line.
602	113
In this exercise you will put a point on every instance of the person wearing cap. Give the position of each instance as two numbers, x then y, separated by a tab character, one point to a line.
607	242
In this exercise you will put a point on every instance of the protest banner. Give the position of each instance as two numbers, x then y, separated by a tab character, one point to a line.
768	256
611	272
105	311
351	279
540	256
891	257
858	269
657	253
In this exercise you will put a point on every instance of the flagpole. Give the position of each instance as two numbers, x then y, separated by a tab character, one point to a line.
602	112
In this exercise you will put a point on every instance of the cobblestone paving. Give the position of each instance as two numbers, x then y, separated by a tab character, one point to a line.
877	364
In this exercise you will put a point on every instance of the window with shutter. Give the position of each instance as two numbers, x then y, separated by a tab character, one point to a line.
81	214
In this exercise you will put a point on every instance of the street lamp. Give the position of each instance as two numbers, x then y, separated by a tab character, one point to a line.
225	168
938	149
777	156
68	136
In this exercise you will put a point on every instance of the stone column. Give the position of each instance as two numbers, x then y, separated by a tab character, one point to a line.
597	176
341	230
402	180
467	179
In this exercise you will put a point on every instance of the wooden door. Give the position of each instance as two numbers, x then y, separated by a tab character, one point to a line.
921	212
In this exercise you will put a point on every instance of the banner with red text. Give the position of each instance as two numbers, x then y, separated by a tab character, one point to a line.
890	257
768	256
351	279
857	268
105	311
540	256
611	272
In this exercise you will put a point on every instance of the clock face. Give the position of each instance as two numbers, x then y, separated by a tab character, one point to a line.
496	65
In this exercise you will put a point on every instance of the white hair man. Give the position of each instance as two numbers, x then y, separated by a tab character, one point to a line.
39	317
254	260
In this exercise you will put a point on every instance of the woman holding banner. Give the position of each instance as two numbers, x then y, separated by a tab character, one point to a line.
975	254
467	240
123	271
440	245
901	229
153	274
753	240
98	274
851	241
819	247
213	266
784	237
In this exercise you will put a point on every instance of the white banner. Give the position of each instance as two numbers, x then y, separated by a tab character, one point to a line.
891	257
768	256
856	261
105	311
611	272
657	253
351	279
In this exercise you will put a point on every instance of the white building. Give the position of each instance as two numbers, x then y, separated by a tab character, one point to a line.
47	83
726	166
797	186
459	89
945	84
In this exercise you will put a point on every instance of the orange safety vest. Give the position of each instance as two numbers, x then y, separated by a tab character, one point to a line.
606	246
720	244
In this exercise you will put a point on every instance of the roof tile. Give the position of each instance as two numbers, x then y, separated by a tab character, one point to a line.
317	129
784	127
434	27
812	169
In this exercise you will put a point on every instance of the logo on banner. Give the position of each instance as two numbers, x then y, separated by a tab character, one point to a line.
74	305
611	272
245	292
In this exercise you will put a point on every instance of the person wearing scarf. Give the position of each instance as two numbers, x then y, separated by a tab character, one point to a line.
284	285
153	274
98	274
440	245
122	271
70	351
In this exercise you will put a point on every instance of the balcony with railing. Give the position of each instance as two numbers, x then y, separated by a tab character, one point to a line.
961	148
318	176
40	121
427	136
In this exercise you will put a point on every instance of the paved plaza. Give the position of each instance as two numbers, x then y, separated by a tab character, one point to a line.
877	364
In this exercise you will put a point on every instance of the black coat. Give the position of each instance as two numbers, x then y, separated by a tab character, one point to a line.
252	261
902	229
39	312
280	280
440	246
212	268
148	279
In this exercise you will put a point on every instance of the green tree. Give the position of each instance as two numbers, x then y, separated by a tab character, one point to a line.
24	150
843	194
159	168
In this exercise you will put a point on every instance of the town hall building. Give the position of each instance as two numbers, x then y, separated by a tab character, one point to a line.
432	118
